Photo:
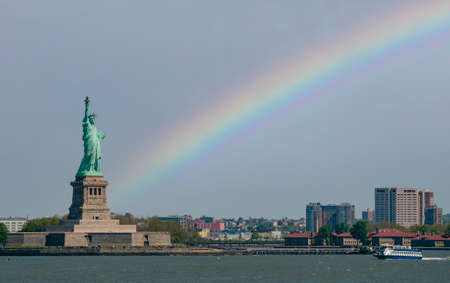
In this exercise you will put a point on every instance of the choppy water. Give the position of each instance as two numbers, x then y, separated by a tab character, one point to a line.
273	268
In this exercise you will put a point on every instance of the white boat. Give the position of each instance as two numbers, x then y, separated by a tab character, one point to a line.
398	252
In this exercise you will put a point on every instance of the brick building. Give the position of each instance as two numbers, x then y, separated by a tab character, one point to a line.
391	237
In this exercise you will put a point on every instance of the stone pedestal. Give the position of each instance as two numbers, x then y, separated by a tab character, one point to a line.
89	199
89	212
92	226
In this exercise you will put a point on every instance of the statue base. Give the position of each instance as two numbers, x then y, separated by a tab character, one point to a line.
89	199
92	226
89	212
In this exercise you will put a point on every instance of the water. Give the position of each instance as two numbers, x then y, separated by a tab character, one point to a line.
273	268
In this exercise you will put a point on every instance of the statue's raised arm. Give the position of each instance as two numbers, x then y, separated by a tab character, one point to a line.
90	164
86	108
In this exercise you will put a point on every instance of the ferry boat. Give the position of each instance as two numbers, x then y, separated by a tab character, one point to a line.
398	252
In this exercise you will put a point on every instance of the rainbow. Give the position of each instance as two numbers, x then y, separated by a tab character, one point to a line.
290	82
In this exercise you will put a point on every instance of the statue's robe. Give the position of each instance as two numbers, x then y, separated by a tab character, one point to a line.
90	165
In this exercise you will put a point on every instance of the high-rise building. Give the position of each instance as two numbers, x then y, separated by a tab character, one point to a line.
329	214
399	205
382	205
421	207
345	214
368	215
318	215
406	206
433	215
313	217
429	198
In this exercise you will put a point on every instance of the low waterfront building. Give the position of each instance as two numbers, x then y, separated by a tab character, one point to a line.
313	239
204	233
391	237
345	240
228	235
299	239
441	240
202	224
245	235
273	235
13	224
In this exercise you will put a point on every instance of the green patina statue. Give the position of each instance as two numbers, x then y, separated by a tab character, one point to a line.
90	165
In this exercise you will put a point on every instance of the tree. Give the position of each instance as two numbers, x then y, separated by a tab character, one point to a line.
421	229
326	231
374	226
127	219
341	228
177	233
3	233
38	225
359	231
446	218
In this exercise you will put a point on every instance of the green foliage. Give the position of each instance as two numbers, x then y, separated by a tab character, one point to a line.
177	234
289	229
127	219
38	225
446	219
359	231
430	229
421	229
374	226
341	228
3	233
435	229
326	231
192	238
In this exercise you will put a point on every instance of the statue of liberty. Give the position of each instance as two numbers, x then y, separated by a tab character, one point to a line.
90	165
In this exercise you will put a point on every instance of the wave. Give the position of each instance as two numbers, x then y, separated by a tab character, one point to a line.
436	258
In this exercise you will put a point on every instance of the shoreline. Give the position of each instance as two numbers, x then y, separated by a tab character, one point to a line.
194	251
184	251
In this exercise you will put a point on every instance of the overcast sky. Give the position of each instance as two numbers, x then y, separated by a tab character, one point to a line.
151	65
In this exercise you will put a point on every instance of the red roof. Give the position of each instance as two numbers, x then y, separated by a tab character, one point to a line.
394	234
441	237
299	235
387	233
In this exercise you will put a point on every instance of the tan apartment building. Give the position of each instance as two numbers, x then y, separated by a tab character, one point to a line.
404	206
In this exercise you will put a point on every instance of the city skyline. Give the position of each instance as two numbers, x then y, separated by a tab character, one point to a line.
383	123
428	202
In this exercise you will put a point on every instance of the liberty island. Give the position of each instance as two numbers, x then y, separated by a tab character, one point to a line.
89	222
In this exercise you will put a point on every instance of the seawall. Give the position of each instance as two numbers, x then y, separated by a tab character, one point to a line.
104	251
